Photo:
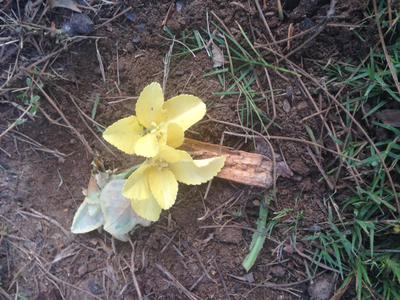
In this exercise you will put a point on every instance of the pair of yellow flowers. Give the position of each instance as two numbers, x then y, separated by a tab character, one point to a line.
156	130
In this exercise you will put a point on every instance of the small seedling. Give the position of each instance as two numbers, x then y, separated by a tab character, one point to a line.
29	98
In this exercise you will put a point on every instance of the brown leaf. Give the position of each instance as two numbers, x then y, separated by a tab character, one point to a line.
390	117
217	56
69	4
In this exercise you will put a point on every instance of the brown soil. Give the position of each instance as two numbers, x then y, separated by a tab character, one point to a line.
41	184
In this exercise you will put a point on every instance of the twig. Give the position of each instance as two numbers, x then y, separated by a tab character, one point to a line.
319	29
177	284
275	137
272	99
81	114
223	281
132	268
15	122
5	294
168	14
113	18
321	170
37	146
265	21
353	119
51	101
167	61
100	60
198	256
39	215
170	239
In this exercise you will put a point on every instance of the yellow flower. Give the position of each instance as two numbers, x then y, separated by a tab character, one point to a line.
156	122
154	185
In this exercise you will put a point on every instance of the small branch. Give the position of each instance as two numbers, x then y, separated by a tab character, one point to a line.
240	166
177	284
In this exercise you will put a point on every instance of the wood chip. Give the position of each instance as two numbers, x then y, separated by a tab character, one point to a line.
240	166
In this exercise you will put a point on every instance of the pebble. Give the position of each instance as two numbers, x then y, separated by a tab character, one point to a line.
306	23
286	106
94	287
278	271
78	24
229	235
322	288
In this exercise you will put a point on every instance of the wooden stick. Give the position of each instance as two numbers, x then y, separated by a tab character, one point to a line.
240	166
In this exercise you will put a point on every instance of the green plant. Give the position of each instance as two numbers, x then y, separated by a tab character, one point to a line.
361	242
29	98
238	76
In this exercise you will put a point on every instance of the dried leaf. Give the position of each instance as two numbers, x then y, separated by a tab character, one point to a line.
390	117
89	216
69	4
118	214
217	56
66	252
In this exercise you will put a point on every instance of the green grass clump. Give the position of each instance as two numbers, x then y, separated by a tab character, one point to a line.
238	76
362	241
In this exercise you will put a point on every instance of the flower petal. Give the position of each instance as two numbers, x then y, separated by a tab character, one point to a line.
147	145
184	110
175	135
147	209
197	171
171	155
136	186
149	105
124	134
164	186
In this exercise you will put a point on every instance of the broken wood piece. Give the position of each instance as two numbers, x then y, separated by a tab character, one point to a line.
240	166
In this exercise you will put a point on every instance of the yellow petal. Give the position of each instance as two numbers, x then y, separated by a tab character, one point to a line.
171	155
136	186
147	145
124	134
149	105
184	110
197	171
164	186
175	135
147	209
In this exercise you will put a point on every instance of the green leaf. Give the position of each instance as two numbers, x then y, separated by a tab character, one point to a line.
258	240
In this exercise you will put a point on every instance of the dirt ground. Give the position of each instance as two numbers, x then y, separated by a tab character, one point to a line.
44	166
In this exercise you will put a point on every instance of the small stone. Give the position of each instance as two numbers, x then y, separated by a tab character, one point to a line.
300	167
179	5
286	106
82	270
94	287
249	277
131	16
322	288
307	184
307	23
278	271
302	105
78	24
314	228
229	235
